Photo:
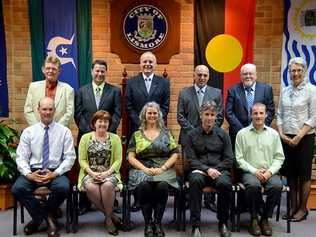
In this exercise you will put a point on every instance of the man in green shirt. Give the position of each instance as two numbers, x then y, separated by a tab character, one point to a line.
259	155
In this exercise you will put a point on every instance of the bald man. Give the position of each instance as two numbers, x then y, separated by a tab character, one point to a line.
191	98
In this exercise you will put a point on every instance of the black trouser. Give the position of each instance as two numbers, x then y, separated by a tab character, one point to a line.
153	197
223	187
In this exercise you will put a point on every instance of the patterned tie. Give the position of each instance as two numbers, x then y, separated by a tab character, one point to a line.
200	95
97	96
45	161
147	83
249	100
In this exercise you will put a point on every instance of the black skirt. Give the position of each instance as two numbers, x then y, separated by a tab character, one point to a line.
298	159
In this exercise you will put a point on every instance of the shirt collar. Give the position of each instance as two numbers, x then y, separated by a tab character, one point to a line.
150	76
197	89
301	85
252	128
253	87
95	86
49	125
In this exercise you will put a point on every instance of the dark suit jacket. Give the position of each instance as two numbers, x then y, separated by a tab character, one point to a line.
188	111
137	96
236	106
85	106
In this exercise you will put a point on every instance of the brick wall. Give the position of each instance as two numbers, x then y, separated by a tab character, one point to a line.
267	51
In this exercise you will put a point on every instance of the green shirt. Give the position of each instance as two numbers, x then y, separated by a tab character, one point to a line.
259	150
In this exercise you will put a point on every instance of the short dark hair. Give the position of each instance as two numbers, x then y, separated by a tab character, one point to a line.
100	62
101	114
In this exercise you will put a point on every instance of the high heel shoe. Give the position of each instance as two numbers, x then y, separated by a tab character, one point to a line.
301	218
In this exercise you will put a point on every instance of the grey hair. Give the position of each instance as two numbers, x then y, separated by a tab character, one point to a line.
248	65
142	116
209	105
298	61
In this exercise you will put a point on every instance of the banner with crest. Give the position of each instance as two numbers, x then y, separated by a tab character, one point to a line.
62	29
299	37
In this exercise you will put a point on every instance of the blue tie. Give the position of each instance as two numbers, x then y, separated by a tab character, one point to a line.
45	161
249	100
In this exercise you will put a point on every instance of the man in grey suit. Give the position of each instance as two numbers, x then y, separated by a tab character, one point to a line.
191	98
97	95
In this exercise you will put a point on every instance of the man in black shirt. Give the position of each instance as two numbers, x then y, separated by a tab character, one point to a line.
210	157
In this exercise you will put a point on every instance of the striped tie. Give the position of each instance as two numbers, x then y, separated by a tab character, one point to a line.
249	100
45	161
97	96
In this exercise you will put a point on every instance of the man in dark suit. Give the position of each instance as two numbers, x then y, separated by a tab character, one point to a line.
146	87
97	95
242	96
190	100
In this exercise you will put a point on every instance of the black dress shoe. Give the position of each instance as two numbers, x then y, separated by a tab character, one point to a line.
31	228
158	231
224	230
149	231
196	232
112	230
52	227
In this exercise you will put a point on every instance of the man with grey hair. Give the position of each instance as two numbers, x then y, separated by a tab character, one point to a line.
210	157
241	97
45	153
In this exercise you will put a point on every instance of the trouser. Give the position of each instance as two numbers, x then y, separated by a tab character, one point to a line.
254	198
223	187
23	190
153	197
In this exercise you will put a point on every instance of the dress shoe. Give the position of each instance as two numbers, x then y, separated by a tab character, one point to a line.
52	228
31	228
266	227
111	228
149	231
254	228
223	230
300	218
287	217
196	232
158	231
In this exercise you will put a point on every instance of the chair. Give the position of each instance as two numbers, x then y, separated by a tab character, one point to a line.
41	193
241	188
182	168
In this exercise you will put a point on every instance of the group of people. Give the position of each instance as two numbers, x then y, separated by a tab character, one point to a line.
46	150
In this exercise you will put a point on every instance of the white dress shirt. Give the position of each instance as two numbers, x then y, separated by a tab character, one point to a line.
29	153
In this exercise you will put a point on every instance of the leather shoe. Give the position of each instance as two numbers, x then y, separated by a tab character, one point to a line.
266	228
112	230
149	231
223	230
158	231
254	228
52	230
196	232
31	228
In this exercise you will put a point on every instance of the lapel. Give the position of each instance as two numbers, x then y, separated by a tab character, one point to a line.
90	96
141	84
257	92
153	86
59	93
193	95
242	95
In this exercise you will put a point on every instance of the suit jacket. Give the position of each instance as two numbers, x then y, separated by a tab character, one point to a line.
85	106
137	96
64	102
236	106
188	110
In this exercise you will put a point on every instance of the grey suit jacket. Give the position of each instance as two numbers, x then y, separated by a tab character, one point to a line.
188	111
85	106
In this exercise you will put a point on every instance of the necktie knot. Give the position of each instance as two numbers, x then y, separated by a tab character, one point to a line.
147	79
249	89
